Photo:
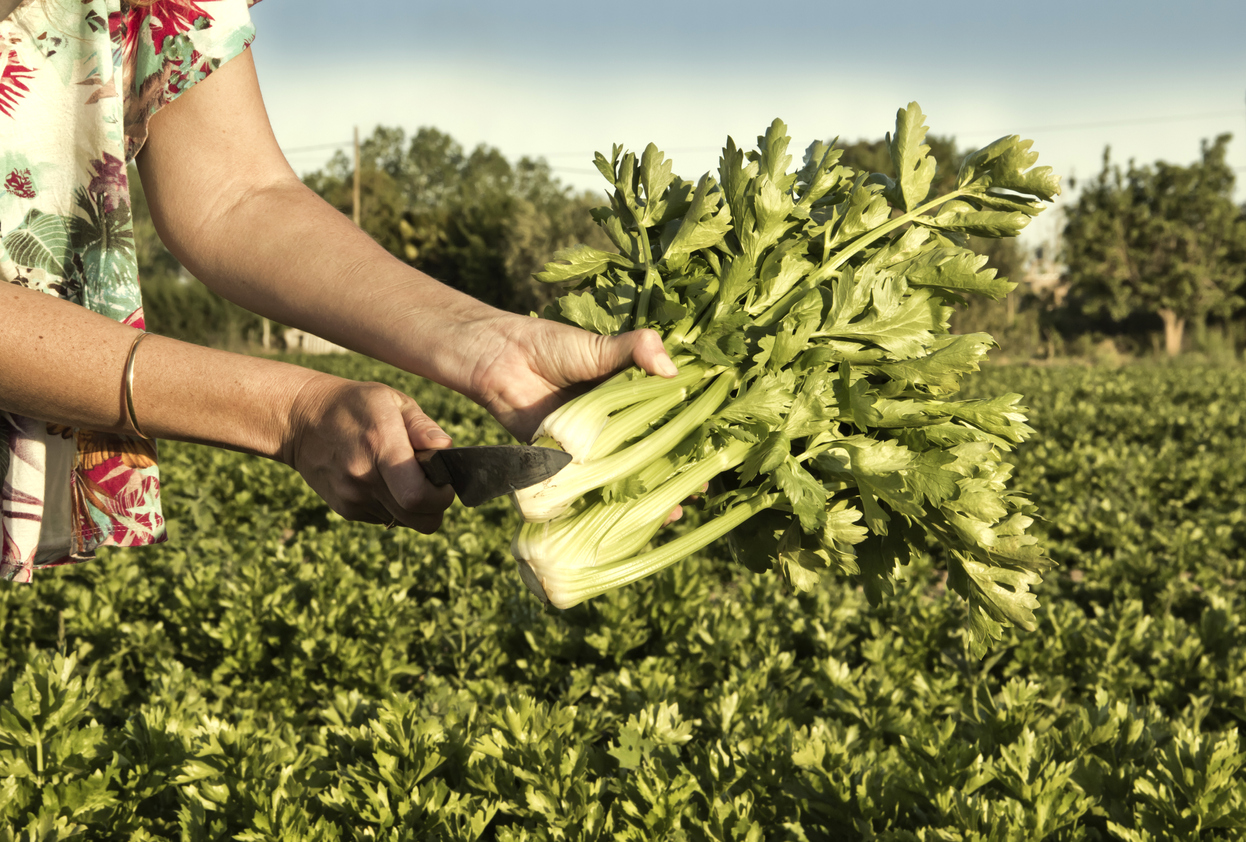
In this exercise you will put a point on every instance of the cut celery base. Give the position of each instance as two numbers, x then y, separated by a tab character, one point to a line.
567	588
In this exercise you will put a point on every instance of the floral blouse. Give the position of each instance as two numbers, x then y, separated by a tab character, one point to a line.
79	79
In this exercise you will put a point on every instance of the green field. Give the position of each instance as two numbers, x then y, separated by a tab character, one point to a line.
274	672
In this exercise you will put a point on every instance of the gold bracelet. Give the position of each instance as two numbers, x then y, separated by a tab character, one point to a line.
129	384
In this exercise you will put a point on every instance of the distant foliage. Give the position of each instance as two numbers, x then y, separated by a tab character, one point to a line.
275	673
473	220
1162	239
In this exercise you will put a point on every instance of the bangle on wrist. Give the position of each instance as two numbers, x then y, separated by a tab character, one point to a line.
128	382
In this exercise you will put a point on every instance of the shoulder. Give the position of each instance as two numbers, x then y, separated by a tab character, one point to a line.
171	45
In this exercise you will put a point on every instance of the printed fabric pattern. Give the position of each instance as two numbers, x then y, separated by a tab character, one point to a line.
79	80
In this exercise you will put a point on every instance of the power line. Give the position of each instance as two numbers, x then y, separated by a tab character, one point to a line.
673	151
317	147
1134	121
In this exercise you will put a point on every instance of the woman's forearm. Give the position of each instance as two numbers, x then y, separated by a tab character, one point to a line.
286	254
229	207
60	362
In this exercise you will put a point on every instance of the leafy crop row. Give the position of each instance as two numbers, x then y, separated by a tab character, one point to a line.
276	673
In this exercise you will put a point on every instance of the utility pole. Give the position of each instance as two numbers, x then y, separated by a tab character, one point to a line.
356	201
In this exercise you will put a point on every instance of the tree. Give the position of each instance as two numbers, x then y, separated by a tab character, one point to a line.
1162	239
473	220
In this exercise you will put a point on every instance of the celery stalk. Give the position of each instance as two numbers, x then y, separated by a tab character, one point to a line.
551	498
565	585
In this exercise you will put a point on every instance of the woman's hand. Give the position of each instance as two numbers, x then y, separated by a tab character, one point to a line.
535	366
528	367
355	444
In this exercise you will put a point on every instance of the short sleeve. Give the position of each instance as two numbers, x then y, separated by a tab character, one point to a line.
170	46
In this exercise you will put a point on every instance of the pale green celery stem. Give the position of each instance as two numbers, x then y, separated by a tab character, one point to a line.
632	422
577	424
598	580
625	389
575	481
780	308
644	516
646	292
573	538
577	537
657	472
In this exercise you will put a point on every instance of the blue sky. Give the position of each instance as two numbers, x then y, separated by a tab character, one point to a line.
562	79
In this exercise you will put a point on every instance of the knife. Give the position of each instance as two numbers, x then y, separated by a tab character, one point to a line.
478	474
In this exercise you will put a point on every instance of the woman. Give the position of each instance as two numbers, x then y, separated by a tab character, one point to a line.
89	85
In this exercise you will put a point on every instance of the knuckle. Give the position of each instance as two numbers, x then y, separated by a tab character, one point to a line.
373	398
358	471
373	390
374	439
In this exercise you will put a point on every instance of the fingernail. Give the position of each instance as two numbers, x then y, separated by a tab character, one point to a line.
667	368
439	438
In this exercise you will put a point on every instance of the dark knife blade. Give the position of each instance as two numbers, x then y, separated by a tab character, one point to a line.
479	474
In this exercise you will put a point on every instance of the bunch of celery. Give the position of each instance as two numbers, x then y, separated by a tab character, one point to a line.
807	312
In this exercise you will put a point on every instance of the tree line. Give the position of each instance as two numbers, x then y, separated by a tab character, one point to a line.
1145	247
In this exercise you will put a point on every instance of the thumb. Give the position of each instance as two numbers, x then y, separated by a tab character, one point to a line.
645	349
422	430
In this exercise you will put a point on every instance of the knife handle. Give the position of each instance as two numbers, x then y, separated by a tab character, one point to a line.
434	468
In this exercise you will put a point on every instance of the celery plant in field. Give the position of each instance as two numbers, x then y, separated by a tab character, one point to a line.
807	311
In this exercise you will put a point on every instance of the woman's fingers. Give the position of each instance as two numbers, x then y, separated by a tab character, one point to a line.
644	349
407	495
422	431
542	364
356	446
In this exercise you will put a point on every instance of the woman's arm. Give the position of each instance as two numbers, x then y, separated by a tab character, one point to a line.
230	208
354	443
63	363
